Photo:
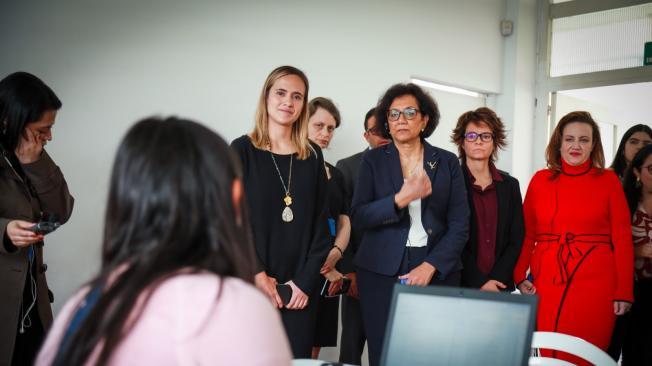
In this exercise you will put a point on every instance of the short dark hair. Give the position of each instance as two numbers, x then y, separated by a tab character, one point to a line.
427	107
632	192
620	164
489	117
23	99
370	113
553	153
327	105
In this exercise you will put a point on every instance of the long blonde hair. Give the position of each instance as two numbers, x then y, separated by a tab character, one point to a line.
299	136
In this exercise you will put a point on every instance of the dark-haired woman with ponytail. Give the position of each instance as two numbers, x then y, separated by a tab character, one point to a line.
633	140
638	328
32	188
176	283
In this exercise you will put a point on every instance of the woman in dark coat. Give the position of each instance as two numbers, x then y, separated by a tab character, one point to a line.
496	221
31	188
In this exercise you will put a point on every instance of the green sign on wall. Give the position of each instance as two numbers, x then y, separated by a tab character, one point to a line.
647	56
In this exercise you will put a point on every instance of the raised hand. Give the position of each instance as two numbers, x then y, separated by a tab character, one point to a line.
416	186
29	147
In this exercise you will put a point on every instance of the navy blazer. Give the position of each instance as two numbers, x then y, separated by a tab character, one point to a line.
444	214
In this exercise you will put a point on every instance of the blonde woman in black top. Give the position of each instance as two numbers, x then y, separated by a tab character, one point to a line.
285	186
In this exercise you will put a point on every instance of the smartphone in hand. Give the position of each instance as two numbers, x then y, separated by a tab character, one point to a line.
285	292
345	284
44	227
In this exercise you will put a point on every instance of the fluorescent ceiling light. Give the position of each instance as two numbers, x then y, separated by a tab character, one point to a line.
448	88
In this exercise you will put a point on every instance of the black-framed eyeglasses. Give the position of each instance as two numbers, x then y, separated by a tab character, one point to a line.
649	168
376	131
473	136
409	113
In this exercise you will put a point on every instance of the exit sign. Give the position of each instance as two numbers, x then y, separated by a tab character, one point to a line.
647	57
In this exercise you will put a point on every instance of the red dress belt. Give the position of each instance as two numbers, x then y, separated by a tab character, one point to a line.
568	249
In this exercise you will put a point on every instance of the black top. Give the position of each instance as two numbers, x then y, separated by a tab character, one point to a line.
349	168
292	250
337	203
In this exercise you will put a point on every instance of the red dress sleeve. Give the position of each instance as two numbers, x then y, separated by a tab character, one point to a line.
621	238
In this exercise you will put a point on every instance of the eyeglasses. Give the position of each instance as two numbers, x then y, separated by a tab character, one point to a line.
473	136
376	131
649	168
409	113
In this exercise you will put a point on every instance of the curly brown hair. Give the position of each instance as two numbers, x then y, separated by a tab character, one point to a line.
490	118
553	151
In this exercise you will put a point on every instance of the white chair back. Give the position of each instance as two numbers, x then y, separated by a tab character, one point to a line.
569	344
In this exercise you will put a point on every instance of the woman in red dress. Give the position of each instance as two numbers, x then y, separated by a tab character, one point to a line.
578	243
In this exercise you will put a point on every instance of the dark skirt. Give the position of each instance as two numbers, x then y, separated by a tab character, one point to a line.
300	327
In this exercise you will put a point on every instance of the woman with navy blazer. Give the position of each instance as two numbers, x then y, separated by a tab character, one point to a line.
410	201
496	220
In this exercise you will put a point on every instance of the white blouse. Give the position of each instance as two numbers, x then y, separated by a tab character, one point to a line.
417	236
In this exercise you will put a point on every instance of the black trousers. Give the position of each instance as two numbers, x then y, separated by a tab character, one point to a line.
618	336
353	335
375	292
637	344
29	341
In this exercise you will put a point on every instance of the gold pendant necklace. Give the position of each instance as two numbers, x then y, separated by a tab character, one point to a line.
287	215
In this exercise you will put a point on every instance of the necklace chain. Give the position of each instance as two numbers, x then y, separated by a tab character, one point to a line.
286	189
416	163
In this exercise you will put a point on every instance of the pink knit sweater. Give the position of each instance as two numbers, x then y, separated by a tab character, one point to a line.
185	324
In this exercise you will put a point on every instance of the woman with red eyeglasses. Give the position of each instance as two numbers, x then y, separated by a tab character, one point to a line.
578	243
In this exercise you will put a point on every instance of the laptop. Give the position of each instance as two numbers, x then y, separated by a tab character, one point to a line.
454	326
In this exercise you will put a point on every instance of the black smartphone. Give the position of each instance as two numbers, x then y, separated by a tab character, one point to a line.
44	227
346	284
285	292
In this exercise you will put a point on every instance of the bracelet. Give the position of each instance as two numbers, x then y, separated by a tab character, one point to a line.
338	249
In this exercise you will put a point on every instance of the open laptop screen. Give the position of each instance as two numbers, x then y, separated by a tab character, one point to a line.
453	326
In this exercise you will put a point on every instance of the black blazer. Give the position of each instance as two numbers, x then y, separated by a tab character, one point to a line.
444	214
509	235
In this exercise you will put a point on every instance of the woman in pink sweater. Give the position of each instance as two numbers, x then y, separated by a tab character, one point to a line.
175	287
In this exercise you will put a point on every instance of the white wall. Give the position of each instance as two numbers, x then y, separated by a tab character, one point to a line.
622	105
565	103
113	62
515	103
